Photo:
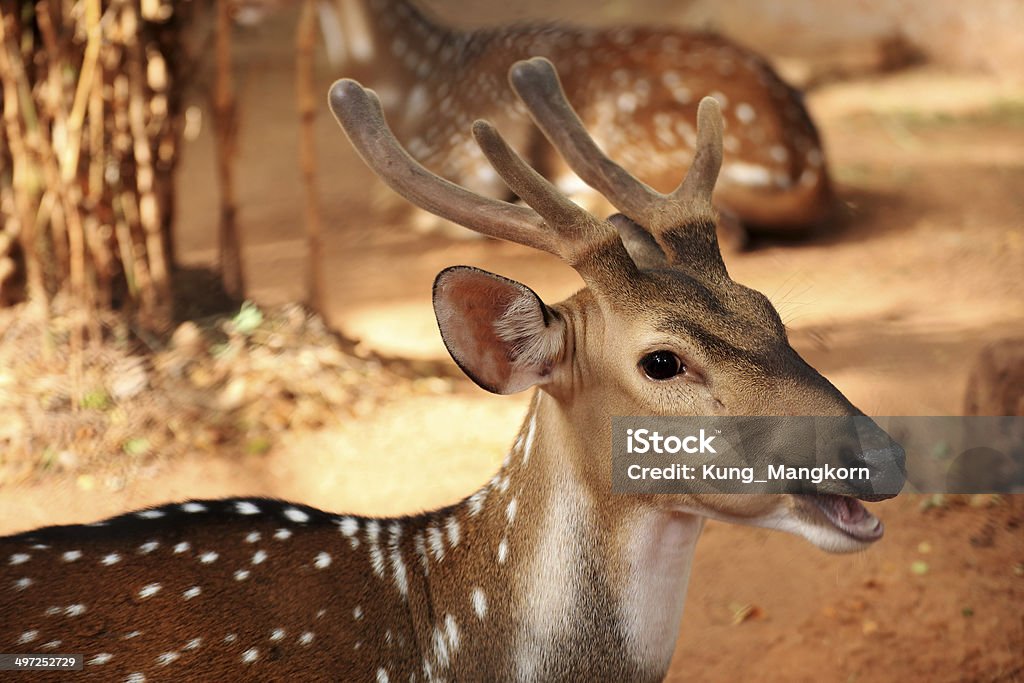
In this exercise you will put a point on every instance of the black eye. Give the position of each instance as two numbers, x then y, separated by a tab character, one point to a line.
662	365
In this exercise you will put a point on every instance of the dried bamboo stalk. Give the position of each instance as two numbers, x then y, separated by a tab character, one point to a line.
12	77
226	128
307	107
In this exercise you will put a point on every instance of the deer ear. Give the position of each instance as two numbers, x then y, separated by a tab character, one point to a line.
498	331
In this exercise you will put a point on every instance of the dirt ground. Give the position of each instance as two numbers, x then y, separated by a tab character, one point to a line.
892	304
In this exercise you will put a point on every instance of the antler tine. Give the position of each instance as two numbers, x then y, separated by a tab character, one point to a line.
682	222
536	82
361	116
570	220
699	183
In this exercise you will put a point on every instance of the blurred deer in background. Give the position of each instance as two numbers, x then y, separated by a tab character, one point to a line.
543	574
635	88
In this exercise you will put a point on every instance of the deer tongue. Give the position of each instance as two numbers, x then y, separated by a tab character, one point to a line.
849	516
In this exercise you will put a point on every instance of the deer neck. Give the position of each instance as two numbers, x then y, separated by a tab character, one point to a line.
389	45
541	567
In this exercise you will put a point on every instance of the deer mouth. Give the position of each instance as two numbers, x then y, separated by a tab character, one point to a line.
848	515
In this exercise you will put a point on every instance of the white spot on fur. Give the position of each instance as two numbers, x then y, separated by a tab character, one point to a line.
109	559
193	507
743	173
166	658
149	590
627	102
242	575
454	531
71	555
398	568
22	583
451	630
148	547
19	558
244	507
259	557
357	613
531	431
74	610
296	515
382	676
417	102
745	113
28	637
135	678
182	547
322	561
349	526
252	537
778	153
191	592
101	658
276	635
208	557
440	649
510	511
282	534
193	644
250	655
476	502
436	543
503	551
306	638
150	514
131	634
479	602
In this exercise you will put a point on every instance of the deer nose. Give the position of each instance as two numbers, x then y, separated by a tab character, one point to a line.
885	459
888	471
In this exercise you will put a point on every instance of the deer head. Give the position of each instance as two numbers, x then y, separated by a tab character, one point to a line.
660	328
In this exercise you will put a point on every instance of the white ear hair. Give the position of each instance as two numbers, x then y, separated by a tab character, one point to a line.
532	341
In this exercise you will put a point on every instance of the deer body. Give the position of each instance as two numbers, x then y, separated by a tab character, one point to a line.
541	575
636	90
260	589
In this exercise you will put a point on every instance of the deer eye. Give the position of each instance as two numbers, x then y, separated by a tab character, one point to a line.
662	365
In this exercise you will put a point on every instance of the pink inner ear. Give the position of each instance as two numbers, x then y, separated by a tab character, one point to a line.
481	302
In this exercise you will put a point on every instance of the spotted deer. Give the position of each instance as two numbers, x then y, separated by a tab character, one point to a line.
636	89
542	574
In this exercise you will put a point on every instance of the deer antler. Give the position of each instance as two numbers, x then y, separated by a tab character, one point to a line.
675	219
552	223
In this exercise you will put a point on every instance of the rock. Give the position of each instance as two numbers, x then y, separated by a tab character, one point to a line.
995	385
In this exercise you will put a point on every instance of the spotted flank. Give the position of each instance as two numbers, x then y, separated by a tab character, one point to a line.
250	588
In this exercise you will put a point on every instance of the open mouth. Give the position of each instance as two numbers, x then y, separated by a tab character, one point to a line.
848	515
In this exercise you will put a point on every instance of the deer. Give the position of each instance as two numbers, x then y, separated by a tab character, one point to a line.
635	87
542	573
